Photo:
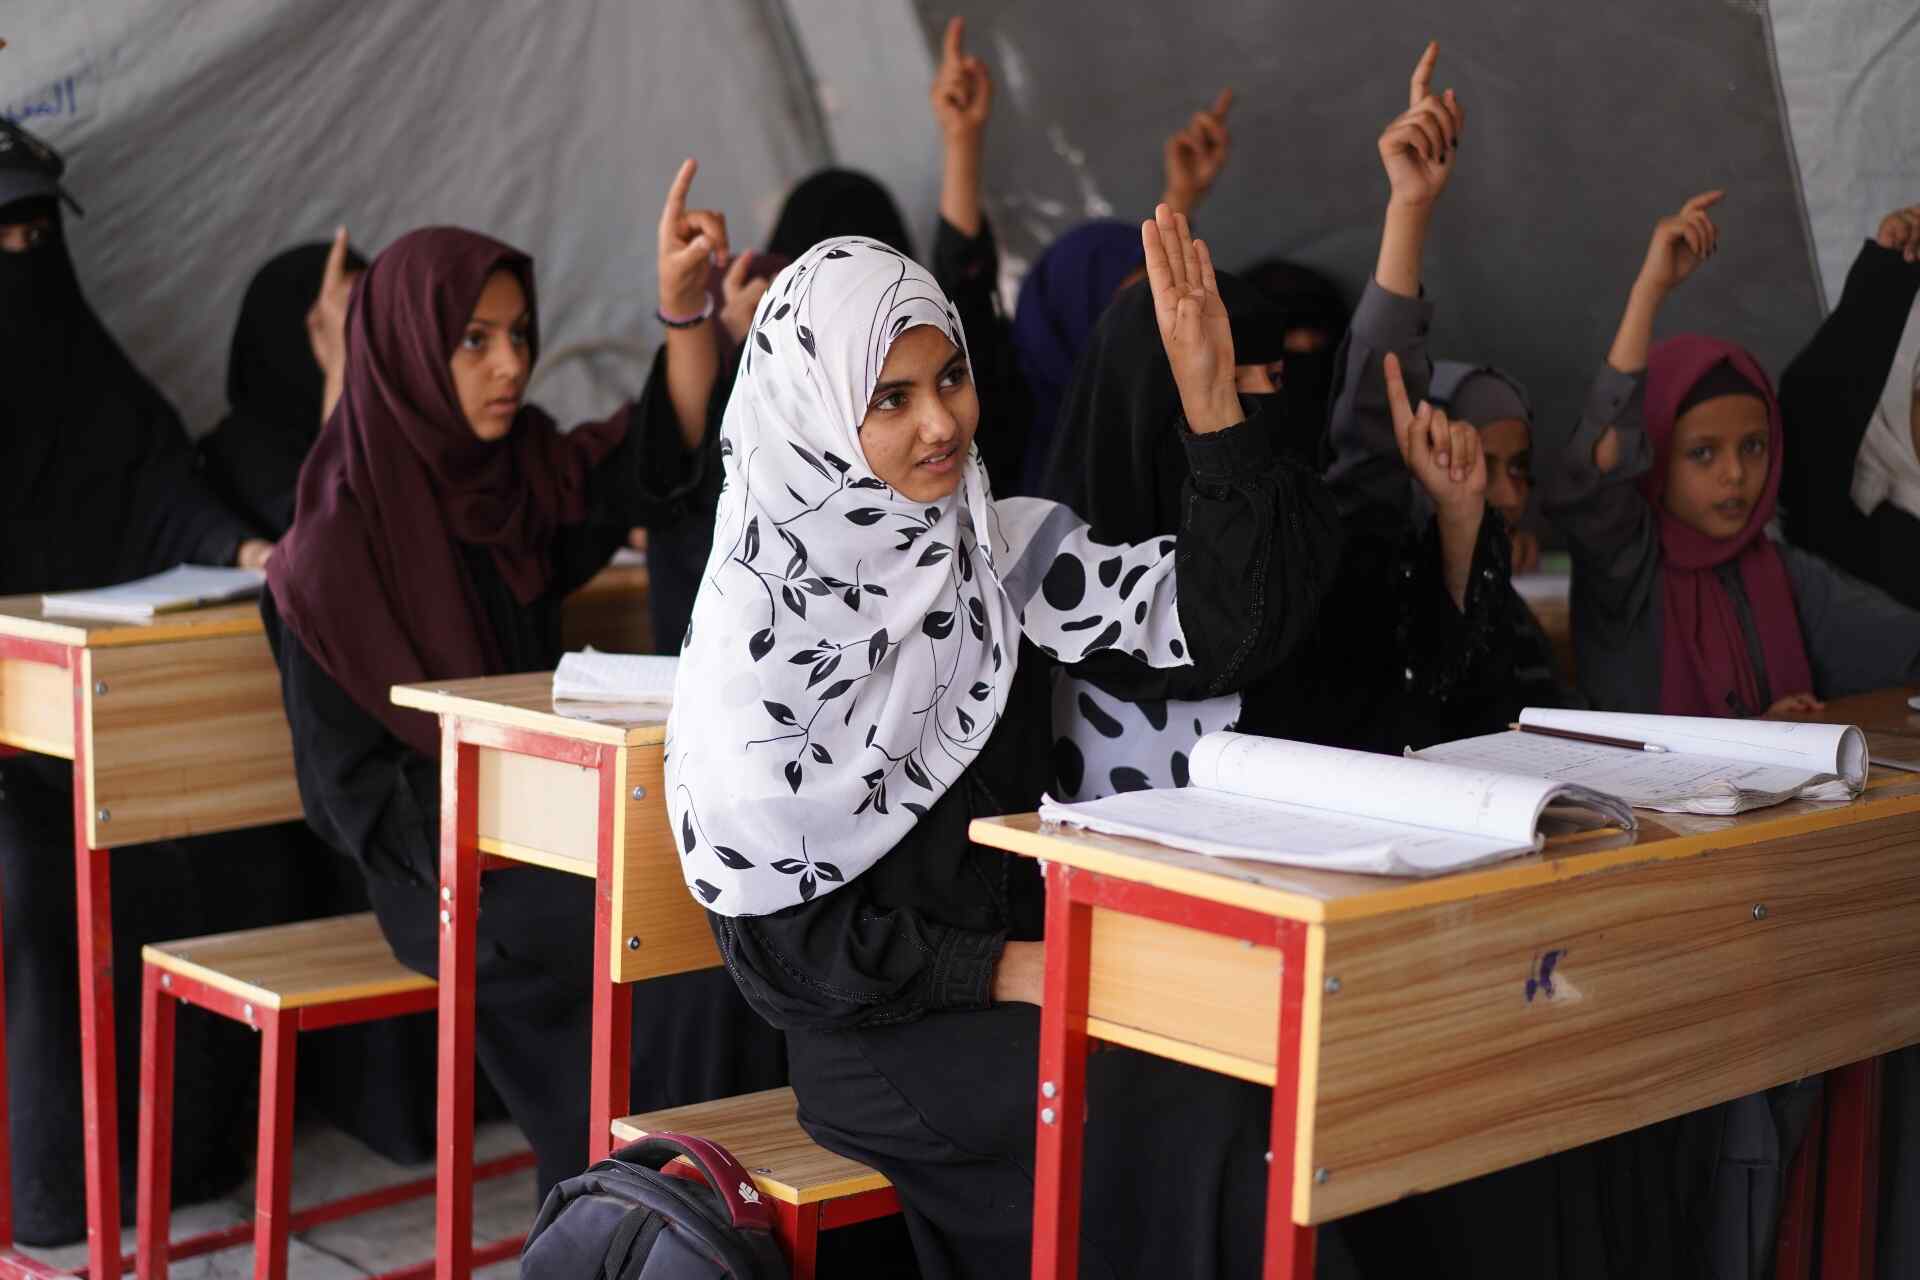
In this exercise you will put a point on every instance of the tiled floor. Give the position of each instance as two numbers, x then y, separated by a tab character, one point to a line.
327	1164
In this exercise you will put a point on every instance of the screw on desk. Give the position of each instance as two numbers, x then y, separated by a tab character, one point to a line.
105	815
1321	1176
446	893
1046	1089
1046	1115
1333	986
633	943
639	793
1759	911
99	688
446	917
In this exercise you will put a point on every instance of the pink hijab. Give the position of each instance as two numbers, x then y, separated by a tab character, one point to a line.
1705	668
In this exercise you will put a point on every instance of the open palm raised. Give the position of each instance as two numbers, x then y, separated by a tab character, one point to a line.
1193	321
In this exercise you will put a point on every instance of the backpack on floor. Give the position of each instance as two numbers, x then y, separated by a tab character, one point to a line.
623	1219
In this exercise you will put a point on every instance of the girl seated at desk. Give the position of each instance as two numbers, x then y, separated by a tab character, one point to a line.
99	488
867	671
441	521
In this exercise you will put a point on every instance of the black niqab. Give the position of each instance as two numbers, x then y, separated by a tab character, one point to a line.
96	473
1117	459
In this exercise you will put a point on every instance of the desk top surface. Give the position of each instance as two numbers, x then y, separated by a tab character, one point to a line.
1303	894
525	701
23	618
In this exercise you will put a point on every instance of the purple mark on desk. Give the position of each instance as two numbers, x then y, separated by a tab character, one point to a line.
1540	977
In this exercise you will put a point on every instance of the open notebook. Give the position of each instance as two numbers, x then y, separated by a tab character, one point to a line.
1709	766
185	586
591	685
1308	806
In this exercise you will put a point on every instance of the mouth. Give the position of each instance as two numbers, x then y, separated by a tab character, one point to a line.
504	405
1732	509
942	462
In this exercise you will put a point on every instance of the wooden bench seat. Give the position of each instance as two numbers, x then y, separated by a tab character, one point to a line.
293	966
764	1134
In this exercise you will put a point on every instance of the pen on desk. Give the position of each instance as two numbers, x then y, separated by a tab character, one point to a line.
1576	736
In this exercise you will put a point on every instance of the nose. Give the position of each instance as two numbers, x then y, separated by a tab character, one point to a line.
937	424
511	364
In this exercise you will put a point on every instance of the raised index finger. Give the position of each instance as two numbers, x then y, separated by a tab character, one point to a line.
951	48
335	272
1222	105
1397	394
1705	200
677	193
1422	83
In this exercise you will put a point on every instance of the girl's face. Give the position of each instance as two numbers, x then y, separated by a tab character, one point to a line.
491	363
1265	379
921	416
1508	448
1718	464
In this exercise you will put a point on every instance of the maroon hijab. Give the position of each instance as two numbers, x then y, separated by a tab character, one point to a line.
1705	668
369	577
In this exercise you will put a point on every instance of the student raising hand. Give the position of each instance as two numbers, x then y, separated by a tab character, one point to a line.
1418	147
1900	231
1444	457
962	99
1193	321
1196	155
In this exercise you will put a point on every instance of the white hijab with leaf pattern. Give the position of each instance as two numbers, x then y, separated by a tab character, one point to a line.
852	650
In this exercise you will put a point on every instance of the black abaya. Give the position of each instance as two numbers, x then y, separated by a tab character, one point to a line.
97	486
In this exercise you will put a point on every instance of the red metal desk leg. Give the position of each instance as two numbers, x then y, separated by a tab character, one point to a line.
99	1091
1289	1248
1793	1247
6	1118
612	1001
1062	1098
459	922
273	1165
1850	1219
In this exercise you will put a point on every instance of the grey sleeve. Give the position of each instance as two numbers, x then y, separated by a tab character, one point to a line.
1367	468
1610	529
1858	637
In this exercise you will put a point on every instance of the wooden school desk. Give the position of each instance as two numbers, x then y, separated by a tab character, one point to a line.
522	784
1421	1032
174	728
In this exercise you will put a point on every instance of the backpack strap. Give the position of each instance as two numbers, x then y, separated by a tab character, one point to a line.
728	1178
635	1234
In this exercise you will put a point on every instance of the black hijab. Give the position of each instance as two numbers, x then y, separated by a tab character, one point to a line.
1117	459
837	202
95	470
274	392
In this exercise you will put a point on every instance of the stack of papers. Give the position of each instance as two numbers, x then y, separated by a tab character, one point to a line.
592	685
1707	765
186	586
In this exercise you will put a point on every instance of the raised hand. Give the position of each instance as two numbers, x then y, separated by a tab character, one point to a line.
739	297
962	94
254	553
327	317
1193	321
1900	230
689	240
1195	155
1417	148
1443	455
1681	242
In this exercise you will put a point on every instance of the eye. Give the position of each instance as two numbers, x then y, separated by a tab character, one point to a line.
475	340
1755	446
954	377
1701	453
891	401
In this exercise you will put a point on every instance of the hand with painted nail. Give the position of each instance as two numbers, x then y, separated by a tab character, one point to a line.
1443	455
1681	243
1417	149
